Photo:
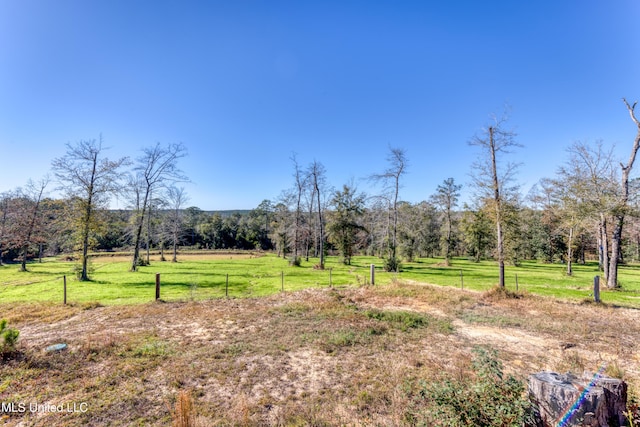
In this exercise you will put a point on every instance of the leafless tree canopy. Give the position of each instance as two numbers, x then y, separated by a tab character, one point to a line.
391	184
491	178
89	179
156	168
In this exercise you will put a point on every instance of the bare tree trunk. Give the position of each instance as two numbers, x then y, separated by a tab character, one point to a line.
320	225
447	253
32	224
149	235
136	247
86	222
394	240
308	236
3	223
570	252
604	246
616	241
498	206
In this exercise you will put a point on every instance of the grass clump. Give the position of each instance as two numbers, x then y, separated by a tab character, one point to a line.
344	338
485	398
405	320
152	347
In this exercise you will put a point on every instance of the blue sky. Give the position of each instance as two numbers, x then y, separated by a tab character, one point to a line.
244	84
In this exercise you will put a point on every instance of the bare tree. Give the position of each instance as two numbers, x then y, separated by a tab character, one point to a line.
390	180
88	179
5	204
587	183
446	199
623	205
26	219
490	180
156	167
176	198
317	178
301	180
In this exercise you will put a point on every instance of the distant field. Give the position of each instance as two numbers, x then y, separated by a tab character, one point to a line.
201	276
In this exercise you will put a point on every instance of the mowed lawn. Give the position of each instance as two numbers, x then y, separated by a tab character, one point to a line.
249	275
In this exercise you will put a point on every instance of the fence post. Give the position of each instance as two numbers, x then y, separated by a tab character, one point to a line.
65	289
226	287
282	280
330	278
596	288
461	280
372	274
157	286
516	283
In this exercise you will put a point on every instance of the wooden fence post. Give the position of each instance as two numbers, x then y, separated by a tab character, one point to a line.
157	286
65	289
372	274
330	278
282	281
596	288
226	287
516	283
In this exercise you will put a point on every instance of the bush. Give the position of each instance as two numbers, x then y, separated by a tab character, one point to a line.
486	398
295	261
392	264
9	338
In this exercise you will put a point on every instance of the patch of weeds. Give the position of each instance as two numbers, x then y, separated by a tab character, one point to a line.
498	293
343	338
90	305
405	320
152	347
398	289
591	301
503	321
293	309
614	370
234	350
571	362
485	398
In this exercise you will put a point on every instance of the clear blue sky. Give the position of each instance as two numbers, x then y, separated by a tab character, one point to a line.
243	84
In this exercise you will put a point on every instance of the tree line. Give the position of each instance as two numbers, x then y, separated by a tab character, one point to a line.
587	210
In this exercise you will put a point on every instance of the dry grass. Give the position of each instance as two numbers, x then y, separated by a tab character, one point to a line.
183	414
314	357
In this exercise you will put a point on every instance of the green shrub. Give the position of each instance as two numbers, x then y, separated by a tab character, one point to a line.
487	398
9	338
295	261
392	264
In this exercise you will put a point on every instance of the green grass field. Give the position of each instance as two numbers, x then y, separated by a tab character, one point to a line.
195	277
